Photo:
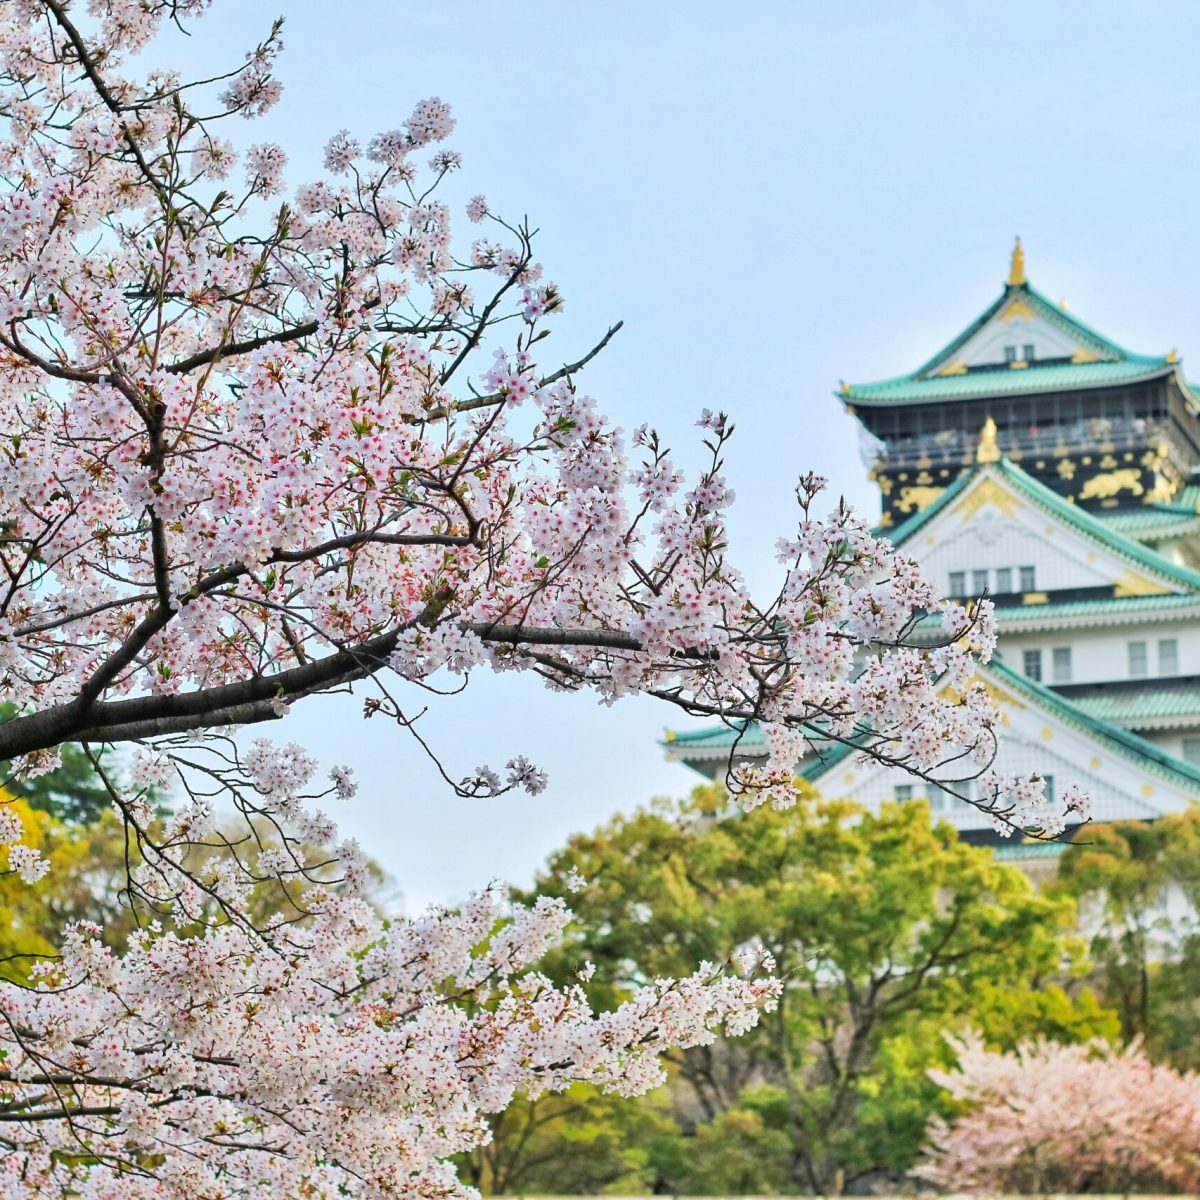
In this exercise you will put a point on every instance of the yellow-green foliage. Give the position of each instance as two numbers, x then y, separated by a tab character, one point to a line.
87	865
889	932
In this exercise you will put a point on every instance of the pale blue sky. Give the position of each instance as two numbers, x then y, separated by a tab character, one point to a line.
772	196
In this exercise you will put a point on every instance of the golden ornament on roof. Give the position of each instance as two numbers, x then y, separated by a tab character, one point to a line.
988	449
1016	269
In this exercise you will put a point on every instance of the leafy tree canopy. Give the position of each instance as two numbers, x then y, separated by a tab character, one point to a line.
1138	887
888	930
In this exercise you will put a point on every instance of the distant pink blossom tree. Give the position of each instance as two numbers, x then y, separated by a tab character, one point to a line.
254	450
1052	1118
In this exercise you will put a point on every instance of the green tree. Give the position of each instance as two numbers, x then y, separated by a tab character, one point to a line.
87	872
747	1150
1138	887
888	930
577	1143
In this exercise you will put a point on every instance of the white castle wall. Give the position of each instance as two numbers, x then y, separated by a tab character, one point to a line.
1102	655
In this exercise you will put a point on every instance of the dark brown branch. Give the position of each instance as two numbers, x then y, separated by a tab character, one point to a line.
435	414
89	68
203	357
256	699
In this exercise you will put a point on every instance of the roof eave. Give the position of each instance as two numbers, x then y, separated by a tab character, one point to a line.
1158	371
1028	621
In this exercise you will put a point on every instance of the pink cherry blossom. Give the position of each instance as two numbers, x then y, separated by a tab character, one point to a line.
1051	1118
252	451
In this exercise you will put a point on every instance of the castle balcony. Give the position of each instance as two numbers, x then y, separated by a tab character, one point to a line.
1097	436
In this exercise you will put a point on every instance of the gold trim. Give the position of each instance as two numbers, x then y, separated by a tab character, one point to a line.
987	491
1163	490
1104	486
1018	310
999	696
917	499
988	449
1016	267
1132	584
1035	598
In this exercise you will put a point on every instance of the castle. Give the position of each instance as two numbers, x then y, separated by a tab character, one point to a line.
1036	460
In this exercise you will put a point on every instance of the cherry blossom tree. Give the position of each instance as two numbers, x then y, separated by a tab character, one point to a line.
1052	1118
256	449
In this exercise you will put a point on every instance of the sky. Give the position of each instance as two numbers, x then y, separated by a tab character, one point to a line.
773	196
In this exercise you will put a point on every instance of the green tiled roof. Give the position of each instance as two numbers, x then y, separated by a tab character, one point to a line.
1122	608
1156	518
1115	365
1112	610
715	737
1170	518
717	740
1044	307
1070	514
1118	739
1003	382
1162	705
1019	851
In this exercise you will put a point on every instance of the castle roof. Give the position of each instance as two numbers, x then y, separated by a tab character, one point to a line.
988	358
1144	585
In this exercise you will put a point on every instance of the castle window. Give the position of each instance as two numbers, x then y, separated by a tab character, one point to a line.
1138	658
1049	788
1029	351
1028	579
979	582
1004	579
1191	750
958	583
1010	354
1033	664
902	792
1168	656
950	797
1061	664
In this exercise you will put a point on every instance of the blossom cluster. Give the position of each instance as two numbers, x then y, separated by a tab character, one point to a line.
335	1064
236	471
1051	1118
259	443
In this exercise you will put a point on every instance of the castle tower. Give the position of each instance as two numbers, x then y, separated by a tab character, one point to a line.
1105	428
1037	462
